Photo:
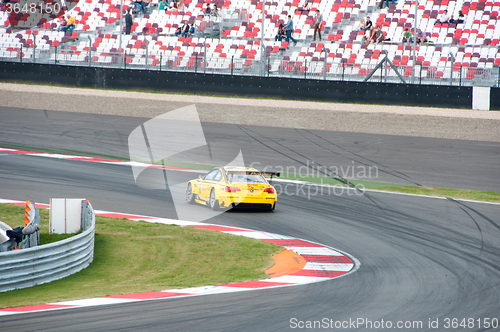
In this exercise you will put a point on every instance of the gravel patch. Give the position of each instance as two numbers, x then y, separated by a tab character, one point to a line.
373	119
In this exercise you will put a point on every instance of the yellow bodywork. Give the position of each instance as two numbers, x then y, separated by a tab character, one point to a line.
233	186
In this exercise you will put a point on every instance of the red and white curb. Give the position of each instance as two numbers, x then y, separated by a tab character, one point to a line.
322	263
93	159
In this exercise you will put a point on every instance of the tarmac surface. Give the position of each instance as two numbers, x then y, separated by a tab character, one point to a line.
373	119
424	262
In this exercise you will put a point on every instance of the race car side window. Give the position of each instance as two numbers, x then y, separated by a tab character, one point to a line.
218	176
211	174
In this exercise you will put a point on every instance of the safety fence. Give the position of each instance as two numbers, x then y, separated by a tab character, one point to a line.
275	65
33	266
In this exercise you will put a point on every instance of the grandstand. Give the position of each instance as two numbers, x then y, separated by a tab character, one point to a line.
466	53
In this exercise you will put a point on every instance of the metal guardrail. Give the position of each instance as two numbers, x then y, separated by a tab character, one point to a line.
34	266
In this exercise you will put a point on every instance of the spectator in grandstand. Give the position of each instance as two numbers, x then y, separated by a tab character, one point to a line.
208	10
136	6
139	5
420	36
317	24
361	25
171	4
289	30
163	5
215	11
445	18
407	36
185	30
368	24
371	36
178	31
281	33
70	24
305	7
180	5
460	19
128	22
4	5
379	35
393	2
62	23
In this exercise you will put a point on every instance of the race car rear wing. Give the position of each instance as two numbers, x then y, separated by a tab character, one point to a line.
271	174
266	173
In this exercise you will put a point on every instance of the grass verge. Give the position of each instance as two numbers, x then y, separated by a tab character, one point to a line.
13	215
487	196
475	195
133	256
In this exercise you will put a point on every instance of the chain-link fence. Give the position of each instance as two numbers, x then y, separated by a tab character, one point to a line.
275	65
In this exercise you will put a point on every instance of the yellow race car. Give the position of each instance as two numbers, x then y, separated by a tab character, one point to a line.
229	187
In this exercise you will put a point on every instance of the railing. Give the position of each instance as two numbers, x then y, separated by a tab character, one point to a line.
33	266
276	65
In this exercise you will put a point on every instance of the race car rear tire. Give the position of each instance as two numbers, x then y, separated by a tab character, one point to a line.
214	203
189	194
272	209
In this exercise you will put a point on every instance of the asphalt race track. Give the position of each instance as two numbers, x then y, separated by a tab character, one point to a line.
422	259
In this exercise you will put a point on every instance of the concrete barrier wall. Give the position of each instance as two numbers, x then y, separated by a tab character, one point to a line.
245	86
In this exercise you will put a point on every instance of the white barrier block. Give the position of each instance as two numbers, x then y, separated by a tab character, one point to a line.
65	215
481	98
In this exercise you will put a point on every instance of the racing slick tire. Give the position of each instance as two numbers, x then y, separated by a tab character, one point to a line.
271	210
214	203
189	194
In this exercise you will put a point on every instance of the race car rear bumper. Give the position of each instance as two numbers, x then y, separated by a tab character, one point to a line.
248	202
264	206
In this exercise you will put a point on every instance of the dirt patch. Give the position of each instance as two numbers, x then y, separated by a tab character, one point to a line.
372	119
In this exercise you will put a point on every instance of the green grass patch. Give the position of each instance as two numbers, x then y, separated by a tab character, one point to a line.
13	215
335	182
34	148
137	256
188	165
476	195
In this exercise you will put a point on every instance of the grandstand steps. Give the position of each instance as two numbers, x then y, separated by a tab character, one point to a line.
474	44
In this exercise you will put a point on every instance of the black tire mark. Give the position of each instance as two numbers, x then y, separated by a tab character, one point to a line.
402	176
462	207
319	170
